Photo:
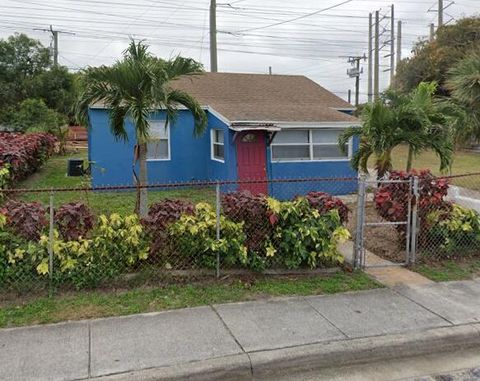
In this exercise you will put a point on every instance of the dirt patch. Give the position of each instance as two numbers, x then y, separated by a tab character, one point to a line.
380	240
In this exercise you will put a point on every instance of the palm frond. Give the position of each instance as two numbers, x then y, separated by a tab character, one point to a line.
185	99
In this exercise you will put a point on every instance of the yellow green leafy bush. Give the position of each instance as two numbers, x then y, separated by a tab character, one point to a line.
117	245
303	236
454	231
195	237
17	258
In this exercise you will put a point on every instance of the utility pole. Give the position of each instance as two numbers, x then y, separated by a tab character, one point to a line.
370	58
440	13
213	36
392	45
354	72
55	45
349	96
399	41
55	34
376	71
432	32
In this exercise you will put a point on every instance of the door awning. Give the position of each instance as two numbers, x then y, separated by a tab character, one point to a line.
239	127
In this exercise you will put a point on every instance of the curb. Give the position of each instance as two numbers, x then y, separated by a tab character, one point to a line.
313	357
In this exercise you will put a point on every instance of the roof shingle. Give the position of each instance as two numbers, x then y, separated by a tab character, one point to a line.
265	98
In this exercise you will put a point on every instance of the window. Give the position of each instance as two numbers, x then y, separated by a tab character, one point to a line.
218	145
307	145
158	147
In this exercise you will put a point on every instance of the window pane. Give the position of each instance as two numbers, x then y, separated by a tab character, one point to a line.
218	151
218	136
291	136
291	152
158	130
328	152
326	136
157	149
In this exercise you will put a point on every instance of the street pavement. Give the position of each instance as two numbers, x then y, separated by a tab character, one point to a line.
463	375
242	337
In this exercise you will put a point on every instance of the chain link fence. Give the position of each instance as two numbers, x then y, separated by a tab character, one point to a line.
61	240
417	218
449	221
57	240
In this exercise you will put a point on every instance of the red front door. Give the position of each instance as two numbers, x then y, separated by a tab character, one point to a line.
251	160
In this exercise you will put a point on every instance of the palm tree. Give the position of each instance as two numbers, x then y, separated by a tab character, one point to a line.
416	119
464	84
133	88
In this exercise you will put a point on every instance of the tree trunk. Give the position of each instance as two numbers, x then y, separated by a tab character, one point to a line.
142	195
409	159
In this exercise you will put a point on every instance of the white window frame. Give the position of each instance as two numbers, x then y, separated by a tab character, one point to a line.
311	145
213	143
162	122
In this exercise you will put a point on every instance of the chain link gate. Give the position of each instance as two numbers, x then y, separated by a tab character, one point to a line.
366	199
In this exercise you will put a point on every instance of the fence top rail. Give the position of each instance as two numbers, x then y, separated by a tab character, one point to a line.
461	175
386	181
178	185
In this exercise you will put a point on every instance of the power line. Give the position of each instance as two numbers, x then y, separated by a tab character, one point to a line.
298	18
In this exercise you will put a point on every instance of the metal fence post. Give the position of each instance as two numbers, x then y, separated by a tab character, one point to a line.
414	230
358	260
217	203
50	244
408	237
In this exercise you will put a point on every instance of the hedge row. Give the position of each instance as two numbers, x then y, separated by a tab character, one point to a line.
22	154
303	232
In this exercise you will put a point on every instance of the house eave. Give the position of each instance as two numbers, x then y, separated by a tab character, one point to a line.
280	124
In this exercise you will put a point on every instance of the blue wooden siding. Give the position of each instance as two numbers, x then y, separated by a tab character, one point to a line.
310	169
190	159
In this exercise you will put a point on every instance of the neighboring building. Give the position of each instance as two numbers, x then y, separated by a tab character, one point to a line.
259	127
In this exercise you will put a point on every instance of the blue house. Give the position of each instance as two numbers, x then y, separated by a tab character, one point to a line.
260	127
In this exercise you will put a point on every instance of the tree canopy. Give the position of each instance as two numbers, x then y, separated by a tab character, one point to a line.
432	60
27	72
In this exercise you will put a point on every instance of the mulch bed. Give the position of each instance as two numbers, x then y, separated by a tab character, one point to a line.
380	240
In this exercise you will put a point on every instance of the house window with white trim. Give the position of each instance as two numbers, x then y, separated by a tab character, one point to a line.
307	145
218	145
158	147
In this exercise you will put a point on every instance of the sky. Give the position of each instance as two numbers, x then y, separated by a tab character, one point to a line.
309	37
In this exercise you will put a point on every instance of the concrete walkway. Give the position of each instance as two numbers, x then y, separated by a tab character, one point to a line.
245	341
383	271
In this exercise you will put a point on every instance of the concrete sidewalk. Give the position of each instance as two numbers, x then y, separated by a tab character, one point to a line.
249	340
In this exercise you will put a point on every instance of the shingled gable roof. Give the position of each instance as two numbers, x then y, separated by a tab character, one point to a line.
265	98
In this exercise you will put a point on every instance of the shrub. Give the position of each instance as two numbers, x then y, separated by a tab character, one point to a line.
391	199
160	216
453	232
195	236
304	237
28	219
324	202
117	245
74	220
24	153
252	210
17	257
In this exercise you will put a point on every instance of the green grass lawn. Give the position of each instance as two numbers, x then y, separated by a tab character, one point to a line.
449	270
53	175
463	163
85	305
